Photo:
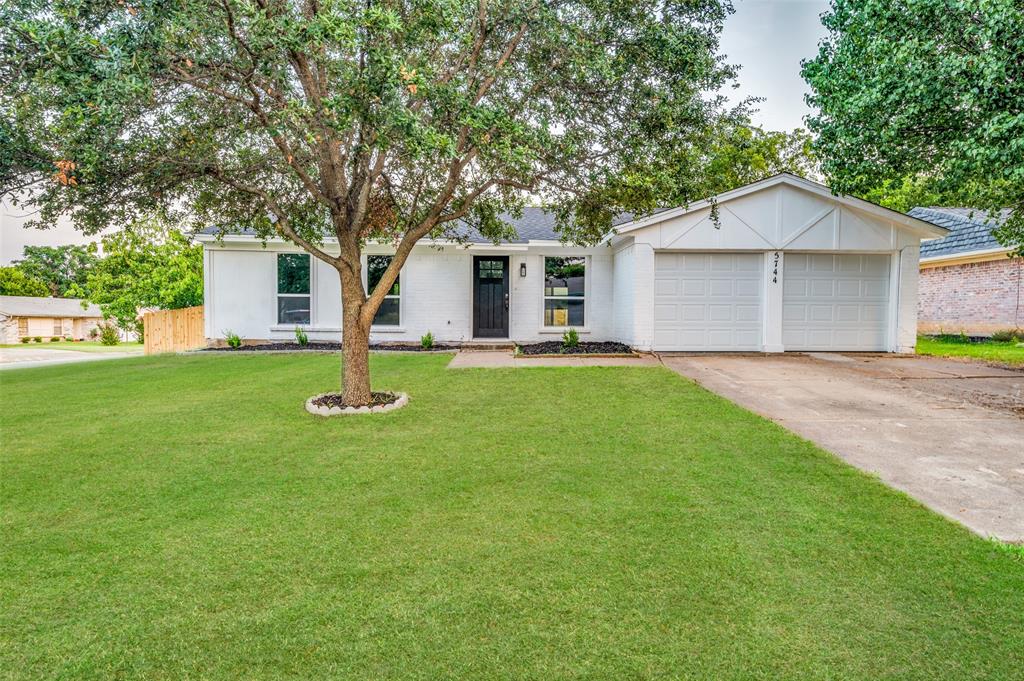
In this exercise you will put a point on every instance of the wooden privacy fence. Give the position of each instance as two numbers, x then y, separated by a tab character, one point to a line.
174	330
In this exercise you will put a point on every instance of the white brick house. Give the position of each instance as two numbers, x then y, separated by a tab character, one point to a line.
786	266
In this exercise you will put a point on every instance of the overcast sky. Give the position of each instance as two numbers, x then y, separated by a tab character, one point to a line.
767	38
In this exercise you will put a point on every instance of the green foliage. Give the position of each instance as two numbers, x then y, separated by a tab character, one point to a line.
25	339
61	268
37	339
427	341
109	335
301	337
232	339
225	114
14	282
570	339
55	339
924	97
147	265
1009	336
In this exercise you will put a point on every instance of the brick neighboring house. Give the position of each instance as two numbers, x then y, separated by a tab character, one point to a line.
968	282
29	317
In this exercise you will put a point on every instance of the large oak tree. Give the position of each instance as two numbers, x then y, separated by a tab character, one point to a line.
924	98
332	122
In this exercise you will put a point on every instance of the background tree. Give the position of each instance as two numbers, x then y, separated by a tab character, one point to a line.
59	267
146	266
14	282
332	122
930	90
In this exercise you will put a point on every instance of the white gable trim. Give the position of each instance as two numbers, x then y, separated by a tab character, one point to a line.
911	224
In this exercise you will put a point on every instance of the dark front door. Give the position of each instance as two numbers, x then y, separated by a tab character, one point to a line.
490	297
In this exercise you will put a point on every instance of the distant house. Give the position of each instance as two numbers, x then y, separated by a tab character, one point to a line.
27	317
968	282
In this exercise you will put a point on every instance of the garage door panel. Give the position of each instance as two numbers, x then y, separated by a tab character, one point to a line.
839	302
717	301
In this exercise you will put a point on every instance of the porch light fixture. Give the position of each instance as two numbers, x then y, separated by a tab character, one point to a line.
522	269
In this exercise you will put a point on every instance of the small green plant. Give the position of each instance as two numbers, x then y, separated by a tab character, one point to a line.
232	339
109	335
94	333
300	337
55	339
427	341
1009	336
25	339
570	339
69	339
37	339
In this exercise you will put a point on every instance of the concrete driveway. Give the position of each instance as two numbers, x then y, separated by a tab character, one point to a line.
948	433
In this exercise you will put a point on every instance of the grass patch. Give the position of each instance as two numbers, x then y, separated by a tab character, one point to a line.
184	517
1010	353
81	346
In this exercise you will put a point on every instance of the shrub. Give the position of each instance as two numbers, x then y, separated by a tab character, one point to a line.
69	339
427	341
109	335
94	333
37	339
25	339
300	336
232	339
570	339
1009	336
55	339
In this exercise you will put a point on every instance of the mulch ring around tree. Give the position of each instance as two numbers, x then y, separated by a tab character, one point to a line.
331	347
331	404
584	348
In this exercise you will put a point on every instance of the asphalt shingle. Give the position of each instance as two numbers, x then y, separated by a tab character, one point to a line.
970	230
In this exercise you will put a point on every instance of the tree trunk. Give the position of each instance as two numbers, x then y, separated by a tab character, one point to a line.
355	342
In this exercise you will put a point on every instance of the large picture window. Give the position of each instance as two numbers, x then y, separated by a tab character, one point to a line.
564	291
293	297
389	312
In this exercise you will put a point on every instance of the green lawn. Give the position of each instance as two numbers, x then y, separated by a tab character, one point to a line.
82	346
1002	353
185	518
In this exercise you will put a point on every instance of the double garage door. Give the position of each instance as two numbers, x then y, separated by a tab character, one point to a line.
715	301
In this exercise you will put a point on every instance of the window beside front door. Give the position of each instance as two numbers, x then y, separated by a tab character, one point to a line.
22	326
564	291
293	288
389	313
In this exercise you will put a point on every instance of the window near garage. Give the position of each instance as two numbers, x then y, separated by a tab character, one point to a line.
389	312
293	290
58	328
22	326
564	290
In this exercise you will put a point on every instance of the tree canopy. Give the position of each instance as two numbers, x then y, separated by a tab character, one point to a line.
924	92
59	267
14	282
145	266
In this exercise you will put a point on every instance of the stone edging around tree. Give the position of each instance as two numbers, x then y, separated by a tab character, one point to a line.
403	399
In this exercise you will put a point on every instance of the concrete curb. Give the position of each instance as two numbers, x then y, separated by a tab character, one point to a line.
403	399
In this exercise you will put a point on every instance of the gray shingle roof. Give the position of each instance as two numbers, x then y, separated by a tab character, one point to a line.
28	306
536	224
970	230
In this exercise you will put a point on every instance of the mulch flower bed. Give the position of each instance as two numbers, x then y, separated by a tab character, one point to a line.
376	400
330	347
587	348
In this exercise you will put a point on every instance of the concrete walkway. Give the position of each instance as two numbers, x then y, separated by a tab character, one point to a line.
486	359
26	358
950	434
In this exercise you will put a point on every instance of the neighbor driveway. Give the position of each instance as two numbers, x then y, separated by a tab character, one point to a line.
25	358
948	433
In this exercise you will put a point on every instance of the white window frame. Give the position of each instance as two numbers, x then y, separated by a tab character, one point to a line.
585	327
394	328
278	324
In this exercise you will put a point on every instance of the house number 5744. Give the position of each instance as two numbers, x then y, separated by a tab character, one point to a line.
775	268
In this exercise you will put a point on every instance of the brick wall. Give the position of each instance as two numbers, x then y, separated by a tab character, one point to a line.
976	298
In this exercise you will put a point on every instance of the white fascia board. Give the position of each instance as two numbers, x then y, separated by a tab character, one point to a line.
912	224
966	254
